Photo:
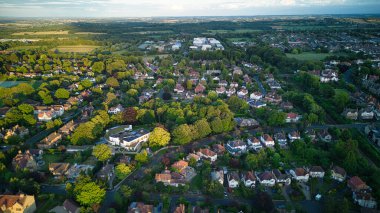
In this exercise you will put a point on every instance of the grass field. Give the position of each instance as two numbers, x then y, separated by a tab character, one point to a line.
8	84
309	56
26	47
60	32
151	57
89	33
75	48
151	32
235	31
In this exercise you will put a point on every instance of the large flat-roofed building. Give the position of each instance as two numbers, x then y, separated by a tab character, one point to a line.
131	140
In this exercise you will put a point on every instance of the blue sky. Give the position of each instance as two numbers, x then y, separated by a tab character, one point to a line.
148	8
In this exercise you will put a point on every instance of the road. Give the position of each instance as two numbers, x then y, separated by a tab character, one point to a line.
261	86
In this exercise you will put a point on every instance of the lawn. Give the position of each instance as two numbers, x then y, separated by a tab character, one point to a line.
235	31
309	56
8	84
60	32
75	48
30	47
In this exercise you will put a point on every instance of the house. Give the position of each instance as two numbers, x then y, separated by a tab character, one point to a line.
311	134
256	104
36	153
231	91
45	116
338	173
180	165
17	203
351	114
71	206
246	122
193	156
233	179
294	135
130	140
198	209
324	136
256	96
218	176
242	93
218	149
236	147
223	83
366	114
115	110
58	169
179	88
75	170
292	117
300	174
287	105
273	98
266	179
170	178
67	128
281	138
254	143
364	199
220	90
180	208
234	84
139	207
106	172
328	76
316	172
249	179
199	88
281	178
24	161
267	140
356	184
208	154
50	141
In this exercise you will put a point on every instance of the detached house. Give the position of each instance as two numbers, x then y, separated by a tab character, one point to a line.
316	172
199	88
50	141
67	128
208	154
300	174
351	114
218	176
233	179
254	143
292	117
364	199
281	178
324	136
24	161
356	184
294	135
218	149
281	138
256	96
249	179
115	110
366	114
236	147
179	88
338	173
58	169
267	140
266	179
17	203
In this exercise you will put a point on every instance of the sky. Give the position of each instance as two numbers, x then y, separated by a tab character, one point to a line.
152	8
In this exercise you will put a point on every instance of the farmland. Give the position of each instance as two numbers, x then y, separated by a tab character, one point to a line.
309	56
75	48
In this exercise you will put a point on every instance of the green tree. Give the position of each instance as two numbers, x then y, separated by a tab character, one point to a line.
217	125
159	137
341	99
252	161
276	119
112	82
98	67
202	128
122	170
182	134
142	157
62	93
88	192
102	152
126	191
86	83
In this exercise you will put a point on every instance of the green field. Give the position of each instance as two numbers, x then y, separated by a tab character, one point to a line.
75	48
309	56
8	84
235	31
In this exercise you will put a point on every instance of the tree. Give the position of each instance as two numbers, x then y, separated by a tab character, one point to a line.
46	97
25	108
276	119
142	157
159	137
102	152
112	82
130	115
202	127
341	99
126	191
98	66
122	170
86	83
182	134
217	125
88	192
252	161
62	93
